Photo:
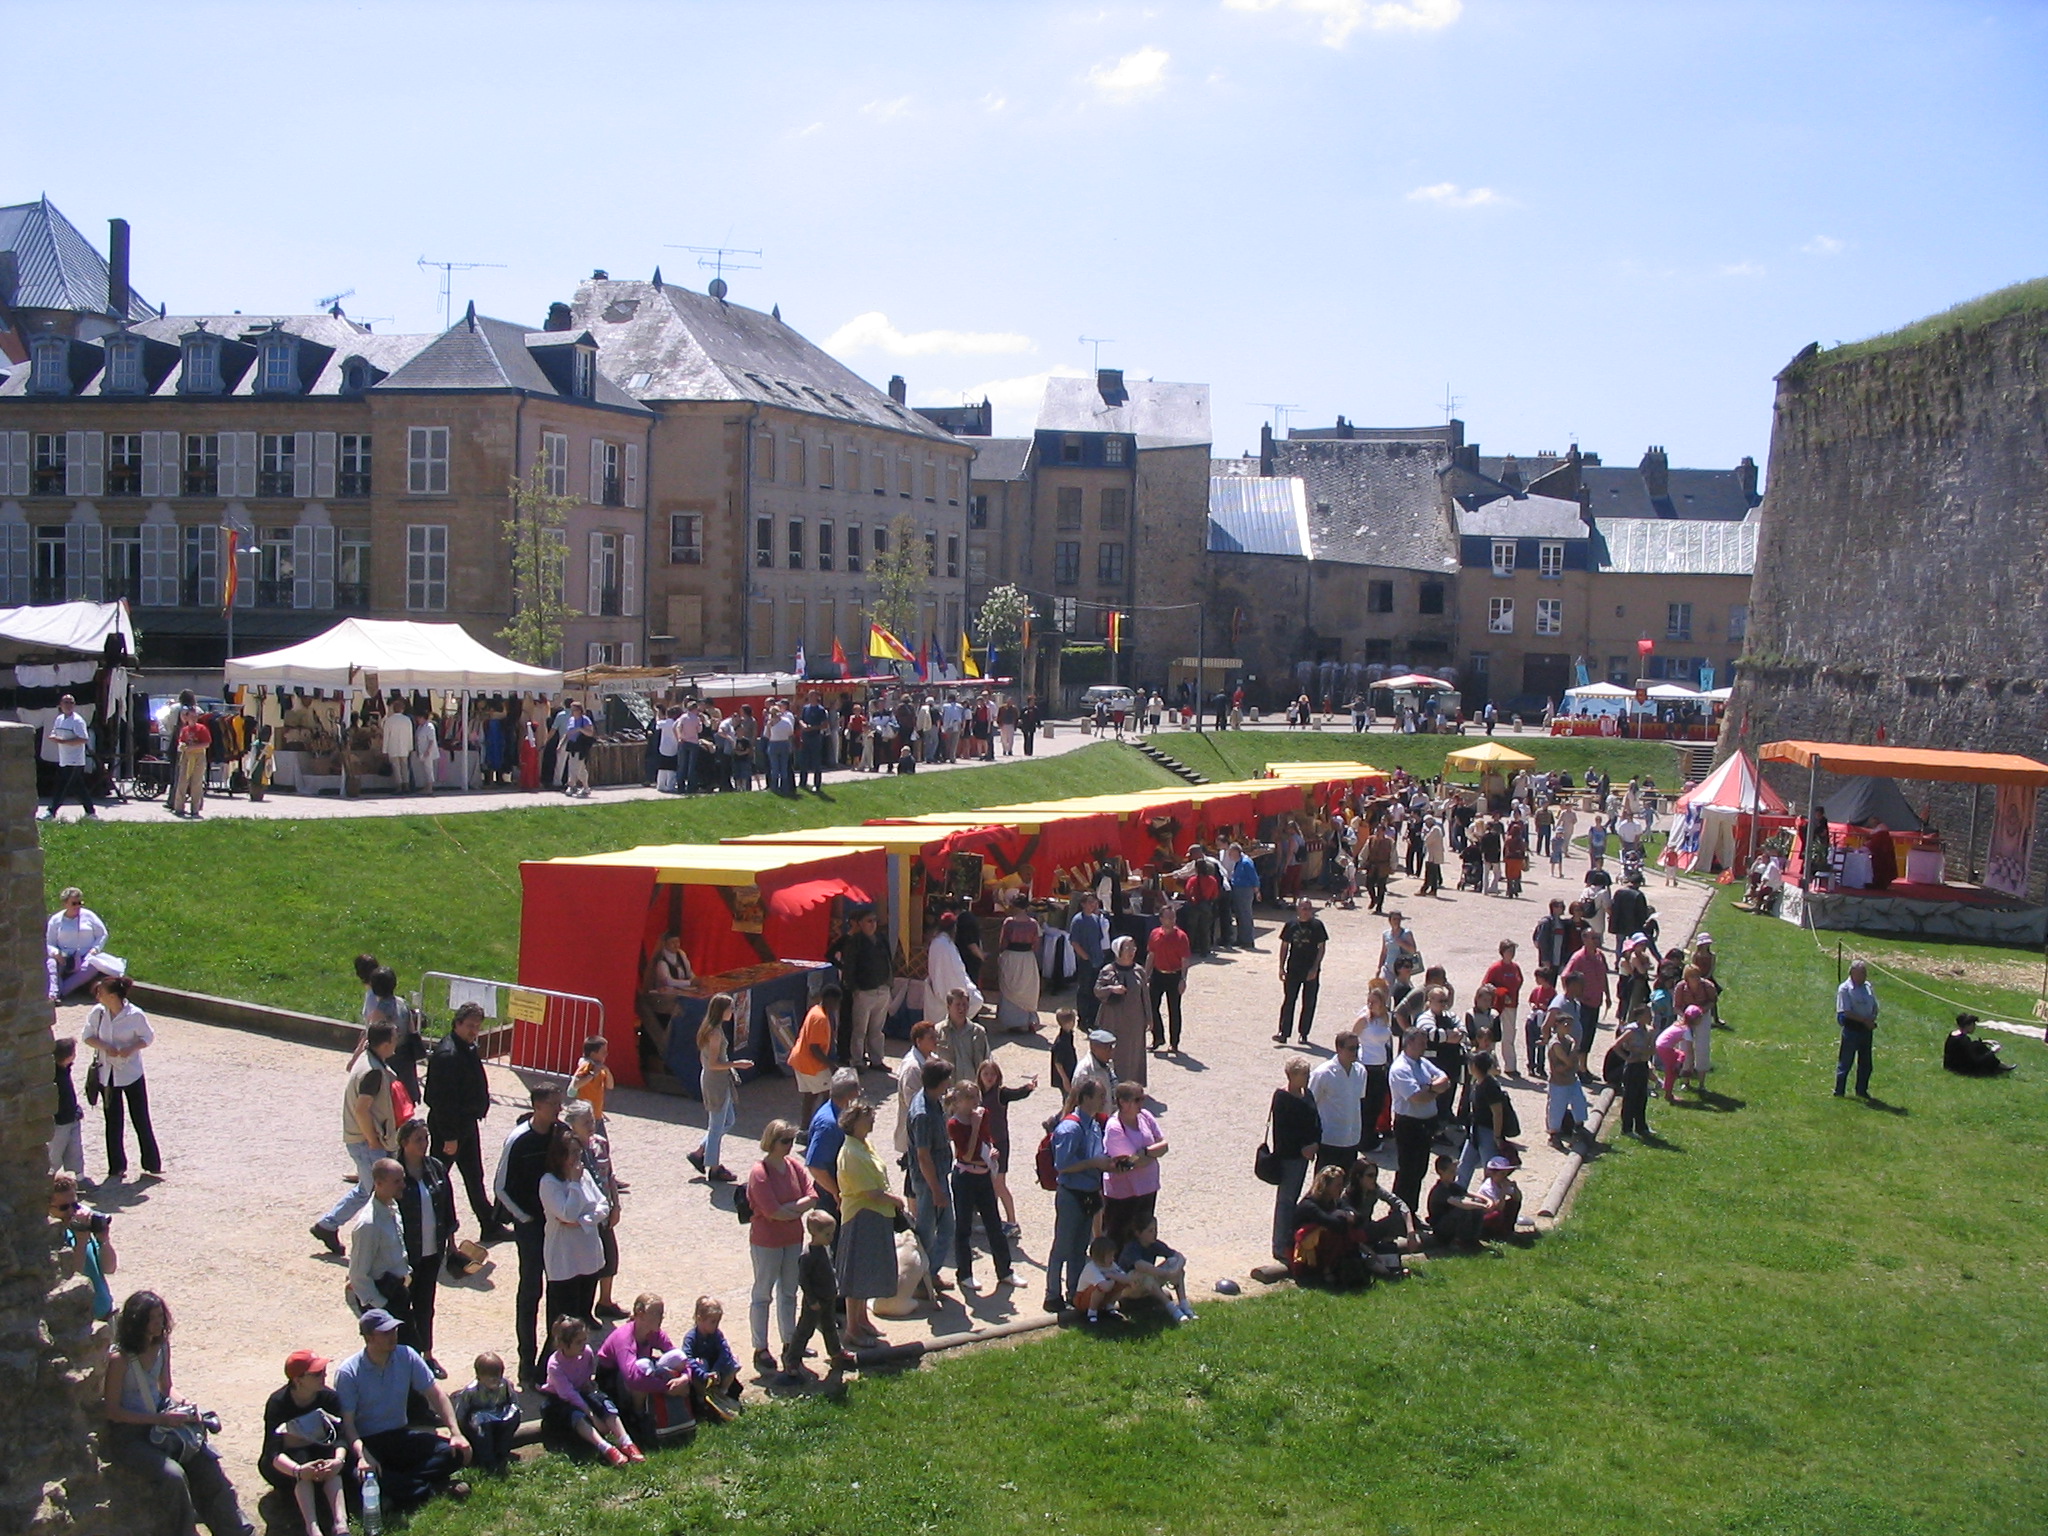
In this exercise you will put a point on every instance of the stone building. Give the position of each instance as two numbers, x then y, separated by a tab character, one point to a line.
775	475
54	282
361	474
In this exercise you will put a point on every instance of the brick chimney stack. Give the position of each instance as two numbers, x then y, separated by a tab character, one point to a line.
1745	474
117	268
1656	469
898	390
1109	383
559	318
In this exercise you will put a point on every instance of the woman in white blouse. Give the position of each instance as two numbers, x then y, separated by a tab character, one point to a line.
74	937
118	1032
576	1212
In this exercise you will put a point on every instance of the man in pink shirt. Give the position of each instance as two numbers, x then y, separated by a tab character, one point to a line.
1166	959
1589	966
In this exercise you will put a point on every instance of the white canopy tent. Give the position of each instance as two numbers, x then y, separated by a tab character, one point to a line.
73	629
360	656
1673	693
1598	699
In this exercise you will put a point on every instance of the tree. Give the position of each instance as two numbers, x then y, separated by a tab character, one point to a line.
540	554
1003	613
903	574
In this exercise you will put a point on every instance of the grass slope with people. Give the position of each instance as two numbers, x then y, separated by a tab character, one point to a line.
1788	1314
271	911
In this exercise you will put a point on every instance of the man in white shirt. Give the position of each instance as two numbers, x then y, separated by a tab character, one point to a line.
426	753
379	1273
953	716
780	736
1416	1083
924	1040
689	747
397	739
1338	1087
559	729
67	733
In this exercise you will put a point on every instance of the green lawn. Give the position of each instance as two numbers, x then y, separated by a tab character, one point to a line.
1234	754
275	911
1792	1315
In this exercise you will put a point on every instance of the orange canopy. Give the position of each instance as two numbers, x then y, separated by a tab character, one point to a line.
1909	763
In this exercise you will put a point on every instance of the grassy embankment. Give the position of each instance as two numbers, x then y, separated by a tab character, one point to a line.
274	911
1790	1314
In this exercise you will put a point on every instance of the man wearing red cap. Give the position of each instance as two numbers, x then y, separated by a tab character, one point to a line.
302	1452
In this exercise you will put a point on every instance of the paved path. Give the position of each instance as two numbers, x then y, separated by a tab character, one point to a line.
249	1129
291	807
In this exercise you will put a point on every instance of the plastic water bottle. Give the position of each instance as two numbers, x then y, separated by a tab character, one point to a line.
373	1505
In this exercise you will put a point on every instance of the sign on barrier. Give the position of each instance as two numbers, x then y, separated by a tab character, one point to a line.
535	1030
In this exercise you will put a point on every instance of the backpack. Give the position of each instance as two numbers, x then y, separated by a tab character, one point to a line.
1048	1170
742	1207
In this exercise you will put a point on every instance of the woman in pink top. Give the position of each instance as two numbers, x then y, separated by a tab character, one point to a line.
1131	1140
1672	1045
650	1398
780	1190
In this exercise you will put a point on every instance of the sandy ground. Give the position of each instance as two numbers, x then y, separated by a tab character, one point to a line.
250	1131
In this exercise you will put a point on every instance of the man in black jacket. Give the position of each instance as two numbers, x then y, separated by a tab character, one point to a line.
1555	938
865	971
458	1097
1628	912
520	1167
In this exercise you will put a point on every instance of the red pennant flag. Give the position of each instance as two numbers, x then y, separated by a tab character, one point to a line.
839	657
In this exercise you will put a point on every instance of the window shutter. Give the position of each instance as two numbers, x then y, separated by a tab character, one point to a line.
596	472
323	463
596	588
17	564
632	474
302	566
323	567
627	654
593	653
629	575
15	480
74	463
245	462
95	562
152	470
152	547
74	558
302	465
95	463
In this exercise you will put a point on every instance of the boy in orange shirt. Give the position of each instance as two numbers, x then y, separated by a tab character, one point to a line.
811	1057
592	1079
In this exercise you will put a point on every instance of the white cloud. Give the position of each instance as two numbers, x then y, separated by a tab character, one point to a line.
885	111
1132	76
873	332
993	102
1448	194
806	131
1824	245
1341	18
1022	394
1742	269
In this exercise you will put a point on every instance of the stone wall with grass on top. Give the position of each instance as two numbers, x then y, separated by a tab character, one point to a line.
50	1355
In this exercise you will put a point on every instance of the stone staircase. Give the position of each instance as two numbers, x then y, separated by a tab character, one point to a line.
1172	765
1695	760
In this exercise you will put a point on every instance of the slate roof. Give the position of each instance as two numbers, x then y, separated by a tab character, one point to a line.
1374	500
1695	493
493	355
1000	458
1247	465
1659	546
55	266
1529	517
1253	516
672	343
1158	415
334	342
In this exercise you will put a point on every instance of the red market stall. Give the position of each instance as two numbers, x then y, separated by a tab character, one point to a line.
1149	831
1042	840
750	917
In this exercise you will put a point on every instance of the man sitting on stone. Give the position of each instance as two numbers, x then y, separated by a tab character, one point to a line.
1964	1053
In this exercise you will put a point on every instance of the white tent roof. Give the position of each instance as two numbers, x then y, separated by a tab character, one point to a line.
1672	691
1599	691
400	653
80	628
1723	694
1735	786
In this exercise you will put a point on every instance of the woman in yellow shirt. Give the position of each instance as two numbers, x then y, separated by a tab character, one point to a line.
866	1262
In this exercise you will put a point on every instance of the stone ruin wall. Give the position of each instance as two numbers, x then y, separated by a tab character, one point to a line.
50	1355
1902	569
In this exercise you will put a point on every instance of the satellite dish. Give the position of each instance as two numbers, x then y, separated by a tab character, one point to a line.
717	288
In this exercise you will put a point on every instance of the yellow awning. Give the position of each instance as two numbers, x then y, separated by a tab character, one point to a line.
895	839
716	863
1488	754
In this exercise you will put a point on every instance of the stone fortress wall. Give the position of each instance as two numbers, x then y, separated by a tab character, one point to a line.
1902	569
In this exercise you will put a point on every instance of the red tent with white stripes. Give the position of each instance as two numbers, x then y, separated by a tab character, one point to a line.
1734	784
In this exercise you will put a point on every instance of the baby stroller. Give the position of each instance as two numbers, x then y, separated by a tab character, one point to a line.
1472	872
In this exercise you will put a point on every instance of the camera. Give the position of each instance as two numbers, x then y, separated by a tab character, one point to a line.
210	1421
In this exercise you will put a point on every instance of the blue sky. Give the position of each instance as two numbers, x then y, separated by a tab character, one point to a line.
1605	221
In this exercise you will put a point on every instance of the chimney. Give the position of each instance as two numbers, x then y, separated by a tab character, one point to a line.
1511	473
117	268
558	317
1343	427
1656	468
897	389
1265	448
1109	383
1745	473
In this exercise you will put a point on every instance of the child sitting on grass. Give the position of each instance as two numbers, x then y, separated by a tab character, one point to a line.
716	1367
487	1415
818	1287
1103	1283
574	1405
1150	1263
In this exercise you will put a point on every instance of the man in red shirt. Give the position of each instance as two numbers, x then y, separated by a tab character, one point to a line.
1589	967
1166	960
811	1057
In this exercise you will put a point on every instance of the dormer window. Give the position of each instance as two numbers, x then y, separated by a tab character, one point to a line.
355	376
586	373
202	366
124	366
280	370
52	375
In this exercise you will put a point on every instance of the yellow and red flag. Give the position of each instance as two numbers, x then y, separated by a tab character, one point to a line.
839	656
886	646
969	667
1116	629
232	578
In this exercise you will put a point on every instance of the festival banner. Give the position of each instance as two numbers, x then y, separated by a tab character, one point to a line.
2012	840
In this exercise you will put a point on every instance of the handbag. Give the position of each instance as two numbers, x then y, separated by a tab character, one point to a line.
93	1085
1266	1163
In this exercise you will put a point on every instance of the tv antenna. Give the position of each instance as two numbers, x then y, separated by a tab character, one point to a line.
327	304
714	257
1279	413
1098	343
448	269
1451	403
